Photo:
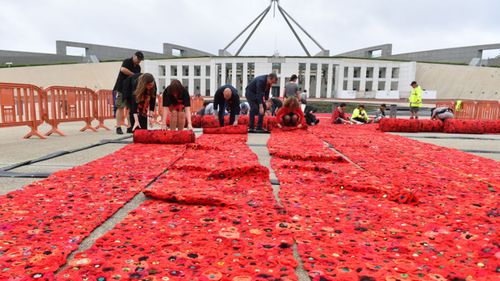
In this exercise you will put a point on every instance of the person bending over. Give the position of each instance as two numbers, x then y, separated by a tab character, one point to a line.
290	115
143	100
442	113
257	92
227	98
177	103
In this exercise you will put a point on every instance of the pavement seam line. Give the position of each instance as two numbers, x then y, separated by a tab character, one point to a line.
300	271
119	216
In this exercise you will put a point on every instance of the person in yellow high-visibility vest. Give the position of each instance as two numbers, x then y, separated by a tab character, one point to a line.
415	100
359	115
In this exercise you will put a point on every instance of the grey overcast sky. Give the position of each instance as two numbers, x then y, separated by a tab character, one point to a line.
209	25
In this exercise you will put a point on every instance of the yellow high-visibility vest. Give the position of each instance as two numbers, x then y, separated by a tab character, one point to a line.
359	114
416	97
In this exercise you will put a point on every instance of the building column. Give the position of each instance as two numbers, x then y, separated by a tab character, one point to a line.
350	77
329	93
223	75
233	76
307	81
362	83
376	70
319	76
203	80
213	77
245	78
339	78
388	78
191	79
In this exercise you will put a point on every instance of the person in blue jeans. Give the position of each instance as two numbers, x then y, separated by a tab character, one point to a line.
257	92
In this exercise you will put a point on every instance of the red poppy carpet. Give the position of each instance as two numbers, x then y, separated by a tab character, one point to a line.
356	203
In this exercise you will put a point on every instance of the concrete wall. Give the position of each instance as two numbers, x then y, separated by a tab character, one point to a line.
368	52
103	52
23	58
454	55
93	76
168	50
460	82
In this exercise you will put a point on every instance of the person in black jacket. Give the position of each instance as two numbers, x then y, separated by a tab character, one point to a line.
257	92
177	103
226	97
129	67
139	92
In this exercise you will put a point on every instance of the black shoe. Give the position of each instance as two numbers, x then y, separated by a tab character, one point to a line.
317	121
251	130
119	131
129	130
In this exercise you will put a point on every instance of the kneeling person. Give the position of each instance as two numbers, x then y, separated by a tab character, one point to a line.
442	113
290	115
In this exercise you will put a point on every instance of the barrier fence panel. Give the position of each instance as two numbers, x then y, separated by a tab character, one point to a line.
488	110
68	104
103	107
467	111
196	104
449	104
20	105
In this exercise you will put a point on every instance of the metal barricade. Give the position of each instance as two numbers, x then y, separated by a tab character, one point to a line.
20	105
68	104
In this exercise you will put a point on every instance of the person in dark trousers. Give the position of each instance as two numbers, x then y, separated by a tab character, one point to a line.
310	117
292	88
139	92
227	98
290	115
257	92
129	67
177	104
273	104
201	112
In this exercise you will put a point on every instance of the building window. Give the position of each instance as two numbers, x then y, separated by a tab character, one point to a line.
197	70
207	70
185	70
173	70
395	73
369	72
357	72
382	72
162	70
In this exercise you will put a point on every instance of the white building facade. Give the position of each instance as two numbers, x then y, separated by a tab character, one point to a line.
321	77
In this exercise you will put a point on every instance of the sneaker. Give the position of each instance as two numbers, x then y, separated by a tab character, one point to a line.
119	131
317	121
129	130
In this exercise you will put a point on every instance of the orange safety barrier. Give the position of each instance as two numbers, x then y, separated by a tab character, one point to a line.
449	104
20	106
467	111
103	107
488	110
196	104
68	104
